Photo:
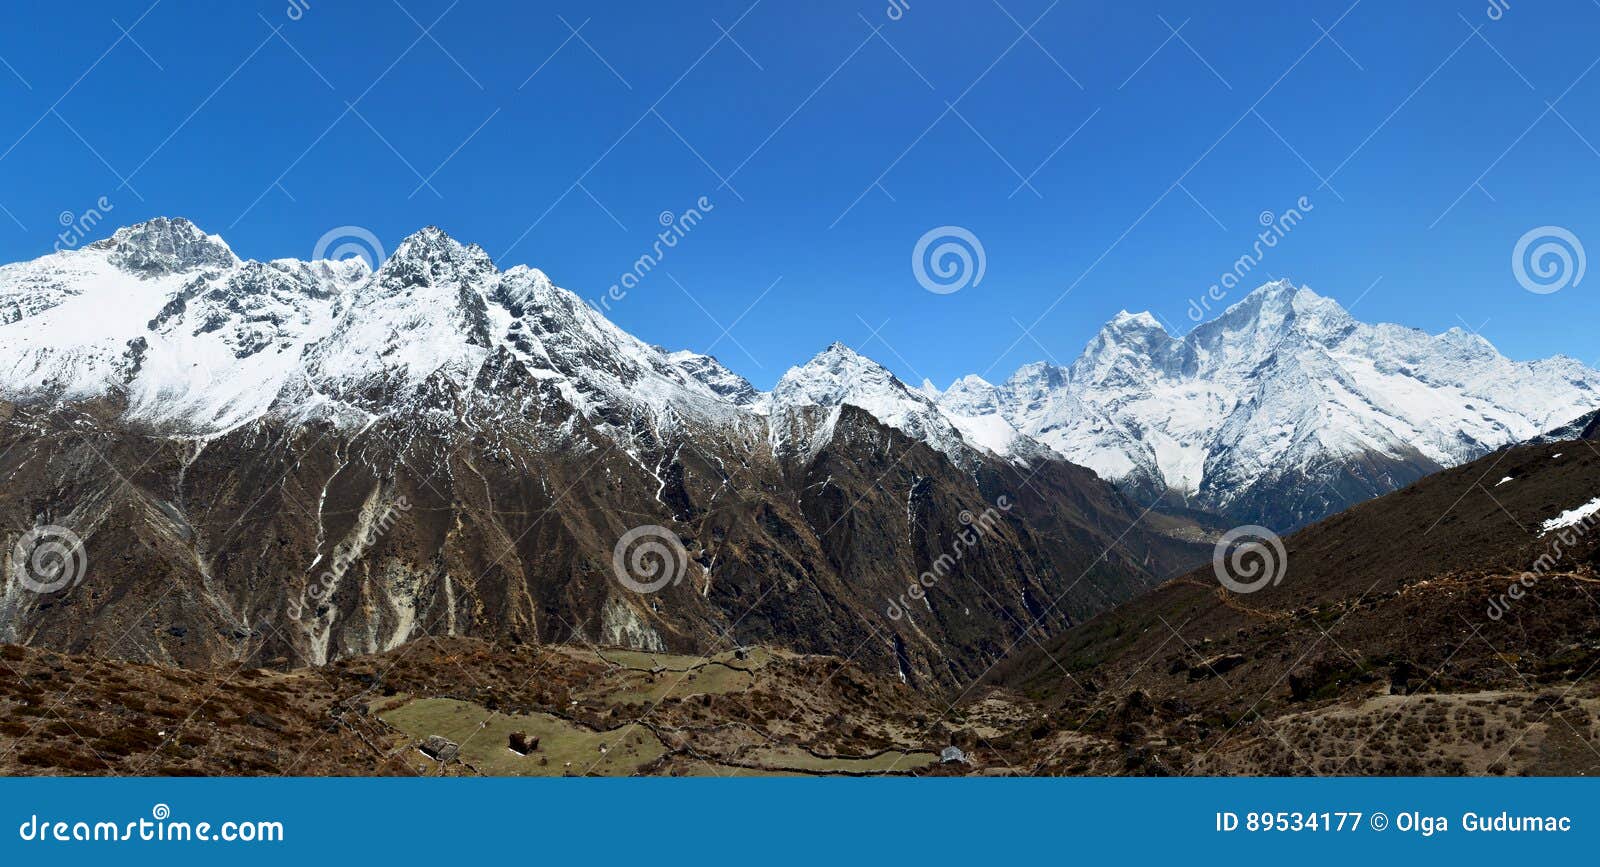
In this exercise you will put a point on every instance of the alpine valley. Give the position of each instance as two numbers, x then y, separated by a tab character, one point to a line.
334	513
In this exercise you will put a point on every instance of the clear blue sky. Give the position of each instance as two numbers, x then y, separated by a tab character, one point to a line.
206	113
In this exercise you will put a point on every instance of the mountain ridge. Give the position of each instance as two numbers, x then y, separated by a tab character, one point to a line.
312	461
1280	410
1283	397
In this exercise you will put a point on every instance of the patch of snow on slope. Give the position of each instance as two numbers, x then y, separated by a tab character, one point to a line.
1571	517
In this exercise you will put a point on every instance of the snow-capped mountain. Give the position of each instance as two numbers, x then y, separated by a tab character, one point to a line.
719	378
1584	427
269	419
165	318
307	460
1283	409
840	376
974	407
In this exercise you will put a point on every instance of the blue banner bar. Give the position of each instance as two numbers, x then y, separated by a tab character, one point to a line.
702	821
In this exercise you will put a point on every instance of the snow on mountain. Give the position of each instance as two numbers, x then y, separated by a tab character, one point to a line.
960	422
839	375
1281	394
974	406
423	314
718	378
220	349
1283	383
165	318
605	369
80	323
1584	427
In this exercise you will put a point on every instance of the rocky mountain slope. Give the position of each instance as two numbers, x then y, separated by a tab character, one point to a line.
327	513
1446	628
1282	410
307	460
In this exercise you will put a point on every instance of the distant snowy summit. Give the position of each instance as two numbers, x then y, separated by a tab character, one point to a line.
1284	408
1281	410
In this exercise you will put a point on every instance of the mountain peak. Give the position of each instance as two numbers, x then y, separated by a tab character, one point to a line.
1280	286
166	245
1269	308
1284	384
159	227
1142	319
839	375
429	238
429	256
1136	331
1280	300
838	357
1036	377
1466	343
714	375
970	395
1456	332
835	372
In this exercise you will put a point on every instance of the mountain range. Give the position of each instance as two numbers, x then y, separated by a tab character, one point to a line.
469	444
1281	411
1438	630
1284	408
309	460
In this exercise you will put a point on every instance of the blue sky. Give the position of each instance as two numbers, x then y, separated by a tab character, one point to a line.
831	136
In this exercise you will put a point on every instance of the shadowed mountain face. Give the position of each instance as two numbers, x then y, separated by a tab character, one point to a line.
312	543
1442	630
1448	627
308	461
